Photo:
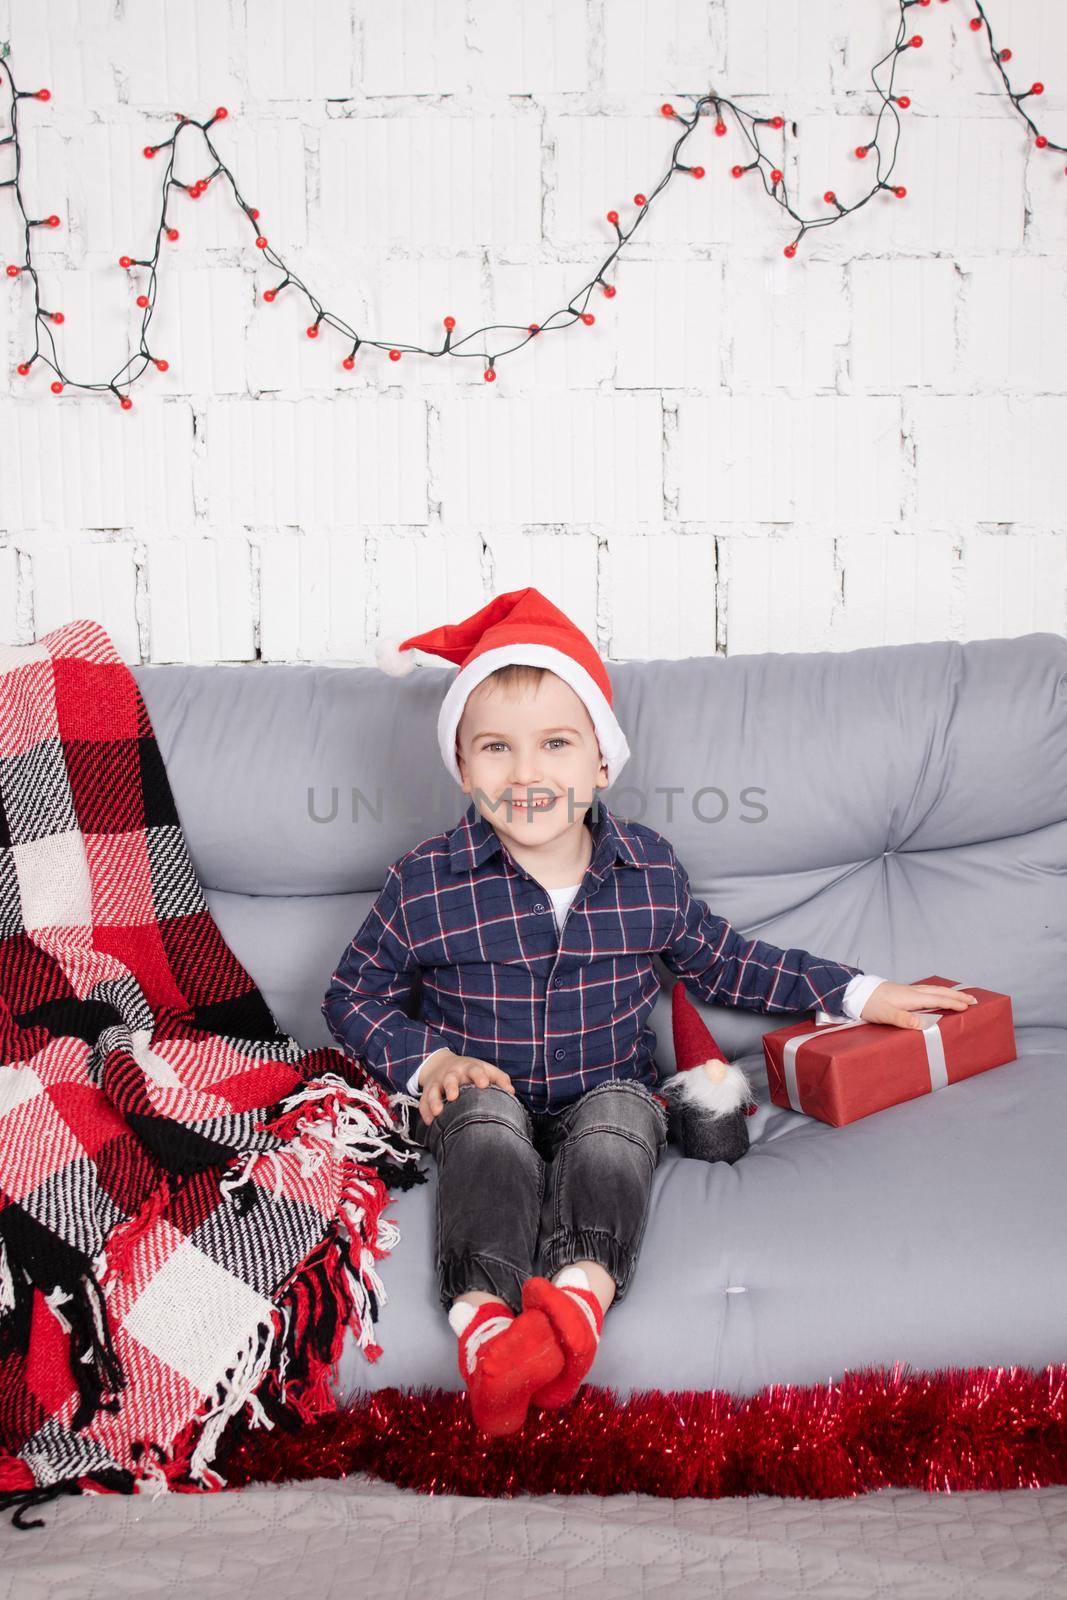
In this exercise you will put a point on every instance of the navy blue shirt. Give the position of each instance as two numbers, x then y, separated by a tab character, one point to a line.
559	1010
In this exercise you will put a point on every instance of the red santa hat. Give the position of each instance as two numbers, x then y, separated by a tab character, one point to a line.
722	1089
522	626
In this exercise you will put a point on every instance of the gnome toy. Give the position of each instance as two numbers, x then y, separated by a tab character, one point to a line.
708	1098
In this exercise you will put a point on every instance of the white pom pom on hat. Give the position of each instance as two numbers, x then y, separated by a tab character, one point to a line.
520	627
391	659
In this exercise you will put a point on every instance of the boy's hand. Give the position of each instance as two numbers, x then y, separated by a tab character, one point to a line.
444	1073
894	1002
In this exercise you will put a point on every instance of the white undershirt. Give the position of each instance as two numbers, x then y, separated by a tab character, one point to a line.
561	901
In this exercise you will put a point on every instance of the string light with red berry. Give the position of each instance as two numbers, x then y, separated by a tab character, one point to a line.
577	309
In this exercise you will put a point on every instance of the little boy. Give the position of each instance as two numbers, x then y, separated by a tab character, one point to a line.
534	924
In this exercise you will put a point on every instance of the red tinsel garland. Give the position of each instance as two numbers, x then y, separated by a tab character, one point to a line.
950	1430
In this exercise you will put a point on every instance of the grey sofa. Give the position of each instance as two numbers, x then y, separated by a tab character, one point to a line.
901	808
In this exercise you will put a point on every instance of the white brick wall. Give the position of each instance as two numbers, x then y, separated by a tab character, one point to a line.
743	453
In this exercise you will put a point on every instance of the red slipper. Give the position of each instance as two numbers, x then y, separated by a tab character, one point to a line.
577	1318
513	1363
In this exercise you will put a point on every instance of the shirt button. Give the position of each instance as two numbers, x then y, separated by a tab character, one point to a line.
557	983
539	906
560	1054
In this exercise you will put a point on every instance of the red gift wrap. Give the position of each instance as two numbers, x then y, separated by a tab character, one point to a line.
841	1071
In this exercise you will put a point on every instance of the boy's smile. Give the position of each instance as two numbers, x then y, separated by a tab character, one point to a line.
532	805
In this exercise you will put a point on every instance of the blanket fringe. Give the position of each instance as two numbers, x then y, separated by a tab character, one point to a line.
126	1235
20	1491
324	1117
284	1371
95	1363
23	1499
76	1299
254	1361
329	1117
281	1376
362	1125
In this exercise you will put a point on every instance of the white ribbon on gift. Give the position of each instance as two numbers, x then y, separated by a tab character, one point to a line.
935	1049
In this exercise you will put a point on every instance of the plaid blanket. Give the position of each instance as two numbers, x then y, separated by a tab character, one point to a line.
190	1202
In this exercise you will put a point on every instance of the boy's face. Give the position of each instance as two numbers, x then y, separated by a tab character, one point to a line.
539	745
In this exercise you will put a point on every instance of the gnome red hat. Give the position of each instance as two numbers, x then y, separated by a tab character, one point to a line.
704	1075
522	626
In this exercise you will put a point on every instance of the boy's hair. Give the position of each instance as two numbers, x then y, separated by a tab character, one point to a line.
515	678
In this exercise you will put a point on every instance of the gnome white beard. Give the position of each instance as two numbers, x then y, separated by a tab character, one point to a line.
716	1086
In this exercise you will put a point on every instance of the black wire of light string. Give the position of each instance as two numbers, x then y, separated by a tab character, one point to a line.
570	314
1016	99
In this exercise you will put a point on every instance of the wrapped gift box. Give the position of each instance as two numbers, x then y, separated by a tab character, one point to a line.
841	1071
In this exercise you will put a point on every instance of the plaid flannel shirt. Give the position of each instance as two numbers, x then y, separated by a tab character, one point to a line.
559	1010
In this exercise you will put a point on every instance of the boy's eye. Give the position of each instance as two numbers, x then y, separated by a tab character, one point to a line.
498	744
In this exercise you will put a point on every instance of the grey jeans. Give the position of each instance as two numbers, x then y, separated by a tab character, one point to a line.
580	1176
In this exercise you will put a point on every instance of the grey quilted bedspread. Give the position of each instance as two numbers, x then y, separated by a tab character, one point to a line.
363	1538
